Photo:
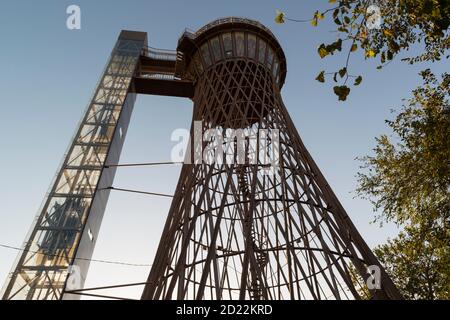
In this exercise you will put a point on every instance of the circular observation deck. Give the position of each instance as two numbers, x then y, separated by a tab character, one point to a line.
231	38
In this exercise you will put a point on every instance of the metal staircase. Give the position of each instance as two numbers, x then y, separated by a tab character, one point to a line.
259	245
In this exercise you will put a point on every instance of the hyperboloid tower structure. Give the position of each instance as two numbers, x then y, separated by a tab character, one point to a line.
252	216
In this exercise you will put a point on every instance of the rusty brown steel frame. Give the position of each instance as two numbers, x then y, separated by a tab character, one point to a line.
233	232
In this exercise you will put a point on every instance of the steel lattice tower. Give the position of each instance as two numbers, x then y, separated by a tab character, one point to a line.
234	231
239	229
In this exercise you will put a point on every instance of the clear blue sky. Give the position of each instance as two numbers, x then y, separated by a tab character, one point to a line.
48	73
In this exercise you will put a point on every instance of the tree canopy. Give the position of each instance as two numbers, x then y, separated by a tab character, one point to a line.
408	180
380	29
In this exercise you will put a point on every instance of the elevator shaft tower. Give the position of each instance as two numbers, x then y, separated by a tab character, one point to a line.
56	254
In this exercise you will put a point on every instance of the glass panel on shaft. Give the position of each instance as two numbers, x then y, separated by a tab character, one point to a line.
227	45
251	45
240	44
261	50
206	55
215	45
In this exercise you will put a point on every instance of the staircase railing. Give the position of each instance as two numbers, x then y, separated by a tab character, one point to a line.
159	54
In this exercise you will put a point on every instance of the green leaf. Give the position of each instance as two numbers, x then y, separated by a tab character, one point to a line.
331	48
358	81
321	77
394	46
354	47
370	53
279	18
343	72
342	92
322	50
388	33
335	13
337	45
317	16
390	55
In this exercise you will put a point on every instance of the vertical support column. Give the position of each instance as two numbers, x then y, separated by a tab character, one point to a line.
61	240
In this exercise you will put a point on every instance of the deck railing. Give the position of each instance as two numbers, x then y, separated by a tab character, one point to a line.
160	54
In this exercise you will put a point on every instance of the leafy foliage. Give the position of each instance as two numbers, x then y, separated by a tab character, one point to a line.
279	17
423	24
418	262
342	92
408	178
